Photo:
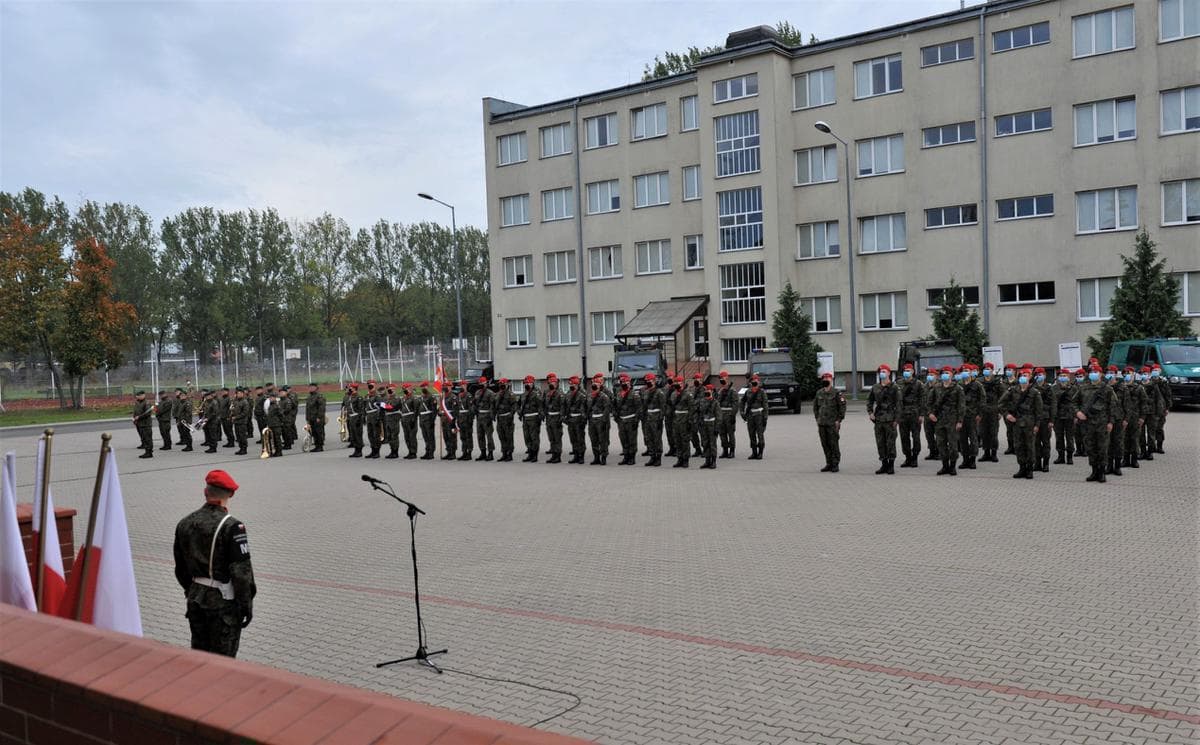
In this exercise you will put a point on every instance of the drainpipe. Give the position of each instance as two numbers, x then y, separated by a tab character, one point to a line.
982	134
584	333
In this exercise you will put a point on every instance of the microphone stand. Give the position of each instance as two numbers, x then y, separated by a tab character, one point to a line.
422	655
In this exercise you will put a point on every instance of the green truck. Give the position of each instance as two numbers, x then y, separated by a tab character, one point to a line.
1179	358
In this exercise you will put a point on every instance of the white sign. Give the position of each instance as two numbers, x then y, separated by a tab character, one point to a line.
1069	355
457	344
291	354
824	363
994	355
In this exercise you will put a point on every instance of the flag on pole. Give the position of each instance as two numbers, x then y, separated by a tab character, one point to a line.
16	588
108	594
45	540
438	374
443	387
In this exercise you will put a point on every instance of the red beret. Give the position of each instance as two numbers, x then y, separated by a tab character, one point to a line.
1155	366
827	375
1040	371
697	376
754	378
908	366
883	368
708	386
598	376
650	376
948	368
528	379
406	386
573	380
551	376
1010	366
671	374
724	374
424	383
1111	368
503	381
678	378
988	366
482	380
1145	369
221	480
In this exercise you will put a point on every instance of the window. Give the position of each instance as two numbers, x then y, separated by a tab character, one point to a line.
511	148
558	204
1105	121
740	219
970	296
556	140
691	183
825	312
1022	36
883	233
693	248
1106	31
735	88
743	293
651	189
816	165
737	143
880	155
1181	110
949	134
884	310
560	267
1018	208
1106	209
1189	293
874	77
1027	292
521	333
514	210
605	325
1023	122
1181	202
604	262
814	88
653	257
1095	298
738	350
562	330
951	51
604	196
946	217
1178	18
689	118
600	131
518	271
650	121
817	240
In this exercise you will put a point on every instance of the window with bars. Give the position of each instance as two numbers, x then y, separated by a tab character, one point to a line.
560	267
649	121
651	189
558	204
884	310
511	148
604	262
653	257
740	219
518	271
818	240
1018	293
825	313
605	325
1105	121
737	143
604	196
1095	297
600	131
556	140
562	330
738	350
1106	209
743	293
816	165
521	332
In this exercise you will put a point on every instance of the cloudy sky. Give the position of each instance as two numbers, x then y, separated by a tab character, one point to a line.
308	107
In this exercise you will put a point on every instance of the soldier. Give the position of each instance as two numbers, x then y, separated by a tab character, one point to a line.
1064	401
553	412
1045	421
989	414
241	412
427	412
599	417
912	415
506	409
449	422
182	411
314	415
1135	417
224	418
484	405
143	413
529	410
260	415
352	411
410	410
390	410
755	411
274	409
927	394
946	410
654	404
1023	408
461	403
671	393
1098	407
1010	380
212	422
684	403
829	408
627	408
163	415
1154	407
374	419
968	436
697	396
1168	400
1116	438
293	412
883	408
1081	378
282	400
212	565
577	420
728	403
707	412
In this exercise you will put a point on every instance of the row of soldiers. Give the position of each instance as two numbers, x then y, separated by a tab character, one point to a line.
693	418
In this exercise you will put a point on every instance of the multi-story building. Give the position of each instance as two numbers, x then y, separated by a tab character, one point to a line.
1014	147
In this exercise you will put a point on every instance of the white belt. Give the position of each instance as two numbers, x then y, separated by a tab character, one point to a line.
629	416
226	588
653	411
576	415
726	408
681	411
530	416
710	419
553	413
410	413
485	411
599	416
758	409
464	411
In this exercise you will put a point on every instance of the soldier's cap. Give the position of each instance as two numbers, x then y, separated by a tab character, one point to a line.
1040	370
708	386
827	375
179	390
908	366
371	382
257	387
139	393
314	385
573	380
723	374
948	369
1155	366
1081	371
1145	369
406	386
224	388
528	379
598	376
697	376
221	480
883	368
482	380
754	376
1129	369
670	374
1093	361
1010	366
503	381
424	383
352	386
678	378
649	377
988	366
624	377
1112	368
550	377
285	388
162	393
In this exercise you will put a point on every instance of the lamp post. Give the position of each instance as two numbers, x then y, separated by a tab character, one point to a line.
823	127
457	278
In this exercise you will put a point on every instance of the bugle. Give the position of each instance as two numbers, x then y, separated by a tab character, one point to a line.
343	432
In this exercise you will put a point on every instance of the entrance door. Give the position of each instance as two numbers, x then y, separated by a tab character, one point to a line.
700	338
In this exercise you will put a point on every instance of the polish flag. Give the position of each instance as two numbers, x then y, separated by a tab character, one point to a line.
438	374
56	583
108	594
16	588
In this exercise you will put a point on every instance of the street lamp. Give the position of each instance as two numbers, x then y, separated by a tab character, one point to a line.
457	278
824	127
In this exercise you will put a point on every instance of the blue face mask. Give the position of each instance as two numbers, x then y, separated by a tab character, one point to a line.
1079	378
1023	379
1128	378
907	374
974	373
1063	380
1041	378
930	378
1108	376
945	377
987	373
1154	373
882	376
1093	376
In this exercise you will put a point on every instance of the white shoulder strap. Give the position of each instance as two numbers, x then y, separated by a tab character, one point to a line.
213	549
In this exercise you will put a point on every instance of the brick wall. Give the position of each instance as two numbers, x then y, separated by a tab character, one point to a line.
64	520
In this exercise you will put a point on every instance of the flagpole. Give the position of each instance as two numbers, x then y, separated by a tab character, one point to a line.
40	570
86	552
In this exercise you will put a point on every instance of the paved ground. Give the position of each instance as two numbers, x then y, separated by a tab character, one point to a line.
761	603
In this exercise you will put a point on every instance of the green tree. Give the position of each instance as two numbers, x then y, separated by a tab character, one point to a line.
954	320
191	251
673	63
1145	304
790	326
790	35
325	246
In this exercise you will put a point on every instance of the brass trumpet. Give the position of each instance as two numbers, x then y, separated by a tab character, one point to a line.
307	444
343	432
268	443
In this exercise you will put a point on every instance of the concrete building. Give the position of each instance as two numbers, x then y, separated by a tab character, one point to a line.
1015	146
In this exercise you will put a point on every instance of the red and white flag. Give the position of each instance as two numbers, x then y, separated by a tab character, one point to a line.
16	588
443	387
108	594
46	542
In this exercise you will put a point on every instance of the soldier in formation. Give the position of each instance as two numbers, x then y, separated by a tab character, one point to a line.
883	408
529	411
163	415
973	397
755	411
314	416
485	410
181	409
554	411
946	409
627	408
829	408
1022	406
912	416
506	410
654	406
989	414
931	381
707	413
427	414
240	412
577	420
273	434
143	411
728	403
600	407
1064	399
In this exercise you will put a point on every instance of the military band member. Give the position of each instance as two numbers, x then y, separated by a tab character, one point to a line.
143	421
553	412
577	419
427	414
529	411
1064	399
654	405
684	404
464	412
728	403
374	419
599	420
946	409
163	415
260	415
1022	406
293	413
506	409
627	409
283	400
241	411
755	411
883	408
1098	408
182	411
829	408
314	415
410	414
352	411
912	416
274	410
485	412
212	422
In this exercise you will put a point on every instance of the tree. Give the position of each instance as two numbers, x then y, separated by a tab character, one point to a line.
789	35
191	250
1146	302
954	320
325	246
672	63
790	326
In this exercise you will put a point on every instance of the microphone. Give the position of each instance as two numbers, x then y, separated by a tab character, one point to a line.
372	479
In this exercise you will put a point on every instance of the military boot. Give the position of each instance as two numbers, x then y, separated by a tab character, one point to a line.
465	456
732	450
393	455
604	459
1060	459
356	454
241	450
374	453
187	449
1108	467
680	463
882	467
709	463
1116	469
411	456
891	466
556	458
1070	459
1133	461
932	456
829	467
1100	476
945	469
952	470
1147	454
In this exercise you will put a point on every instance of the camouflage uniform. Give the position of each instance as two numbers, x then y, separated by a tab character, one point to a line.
164	420
627	408
1064	399
1045	423
485	412
275	426
968	437
529	409
260	415
506	408
947	407
391	423
707	414
1137	404
314	415
1116	438
375	434
883	406
143	421
226	419
829	409
989	417
684	404
728	403
241	412
654	404
1155	407
554	411
577	421
755	411
1098	408
1168	400
464	411
218	614
410	411
912	399
182	411
927	394
1026	408
449	424
427	414
599	420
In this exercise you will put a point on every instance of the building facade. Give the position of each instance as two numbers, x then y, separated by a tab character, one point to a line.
1015	147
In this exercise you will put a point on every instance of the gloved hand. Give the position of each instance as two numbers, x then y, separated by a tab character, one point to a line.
247	613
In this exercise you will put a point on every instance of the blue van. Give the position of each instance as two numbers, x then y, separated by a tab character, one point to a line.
1178	357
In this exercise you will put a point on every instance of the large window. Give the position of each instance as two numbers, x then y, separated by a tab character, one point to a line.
814	88
936	295
1178	19
1106	31
653	257
874	77
558	204
605	325
693	248
1023	122
1095	298
948	134
737	141
560	267
556	140
738	350
604	262
521	332
1181	202
731	89
880	155
689	117
514	210
951	51
1022	36
600	131
1018	208
743	293
825	313
518	271
816	165
817	240
947	217
1189	293
1020	293
650	121
511	148
1106	209
884	310
651	189
1181	110
604	196
740	219
562	330
882	233
691	183
1105	121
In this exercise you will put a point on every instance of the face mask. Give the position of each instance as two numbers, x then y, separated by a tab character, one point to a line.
1093	376
1041	378
1079	378
1009	374
945	377
882	376
974	373
987	373
1063	380
1023	379
1108	376
1154	373
929	378
907	374
1128	378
